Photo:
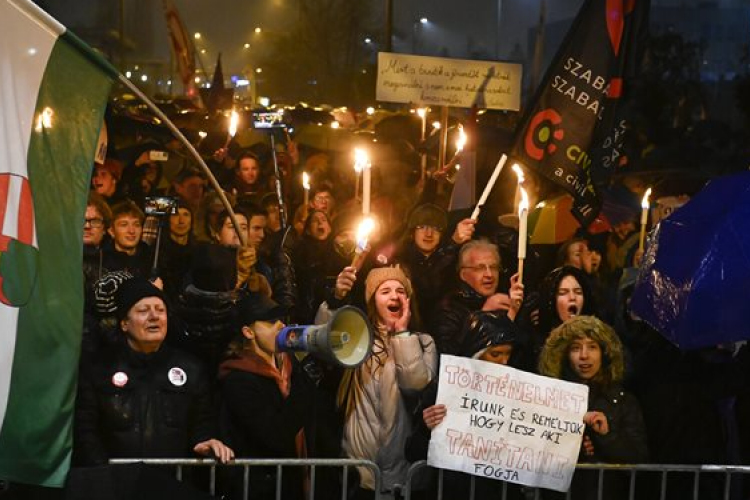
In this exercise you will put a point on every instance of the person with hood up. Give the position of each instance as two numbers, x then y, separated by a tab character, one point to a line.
564	293
491	337
587	351
266	399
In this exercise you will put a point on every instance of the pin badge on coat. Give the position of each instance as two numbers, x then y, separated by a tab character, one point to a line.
177	376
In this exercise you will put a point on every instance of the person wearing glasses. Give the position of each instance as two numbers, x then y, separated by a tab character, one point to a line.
479	280
429	256
95	224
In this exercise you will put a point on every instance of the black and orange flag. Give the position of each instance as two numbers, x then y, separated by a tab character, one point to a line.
573	129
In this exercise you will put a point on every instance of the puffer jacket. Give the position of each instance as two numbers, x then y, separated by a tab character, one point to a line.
379	422
132	404
451	317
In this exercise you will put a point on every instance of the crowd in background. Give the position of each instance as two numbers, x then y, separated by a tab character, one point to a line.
184	300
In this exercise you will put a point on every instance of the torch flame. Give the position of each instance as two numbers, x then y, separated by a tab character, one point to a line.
461	140
363	232
645	200
305	180
360	160
524	203
421	112
234	120
519	173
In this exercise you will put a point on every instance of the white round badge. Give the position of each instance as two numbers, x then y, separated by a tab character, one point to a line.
177	376
120	379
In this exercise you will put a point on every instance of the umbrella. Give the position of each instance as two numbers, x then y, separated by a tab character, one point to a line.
693	281
552	222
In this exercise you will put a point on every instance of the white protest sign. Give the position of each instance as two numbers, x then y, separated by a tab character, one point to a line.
442	81
508	424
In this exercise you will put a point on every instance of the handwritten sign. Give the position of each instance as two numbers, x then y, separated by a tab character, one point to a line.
441	81
508	424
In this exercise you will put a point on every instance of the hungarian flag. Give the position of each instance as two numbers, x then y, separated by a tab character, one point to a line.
53	92
572	132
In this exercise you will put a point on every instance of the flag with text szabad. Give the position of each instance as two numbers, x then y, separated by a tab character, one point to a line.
572	131
53	93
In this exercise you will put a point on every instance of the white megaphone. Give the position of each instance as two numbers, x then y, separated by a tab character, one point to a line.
345	340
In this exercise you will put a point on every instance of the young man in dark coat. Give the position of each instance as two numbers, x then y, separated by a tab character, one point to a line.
266	399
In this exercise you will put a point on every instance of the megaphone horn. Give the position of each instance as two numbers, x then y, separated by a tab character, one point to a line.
345	340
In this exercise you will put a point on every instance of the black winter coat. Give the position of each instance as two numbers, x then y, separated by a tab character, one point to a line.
452	316
257	421
432	277
132	404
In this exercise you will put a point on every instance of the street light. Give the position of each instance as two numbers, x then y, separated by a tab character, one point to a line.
417	27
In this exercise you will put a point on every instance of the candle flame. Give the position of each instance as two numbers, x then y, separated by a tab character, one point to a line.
524	203
305	180
234	120
645	200
361	160
363	232
519	173
461	140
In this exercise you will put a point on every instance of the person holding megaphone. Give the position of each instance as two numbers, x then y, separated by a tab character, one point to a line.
371	396
266	396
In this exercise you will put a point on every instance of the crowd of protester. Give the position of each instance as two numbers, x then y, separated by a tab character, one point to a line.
184	301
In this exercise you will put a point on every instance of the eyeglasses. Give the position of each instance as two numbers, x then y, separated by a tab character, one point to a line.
96	223
492	268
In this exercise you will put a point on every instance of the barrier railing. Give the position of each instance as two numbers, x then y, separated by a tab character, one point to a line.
663	474
246	464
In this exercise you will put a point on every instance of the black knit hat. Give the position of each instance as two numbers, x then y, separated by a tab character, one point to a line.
132	291
428	215
259	307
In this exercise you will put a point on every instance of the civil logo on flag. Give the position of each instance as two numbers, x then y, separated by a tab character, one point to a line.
573	130
52	100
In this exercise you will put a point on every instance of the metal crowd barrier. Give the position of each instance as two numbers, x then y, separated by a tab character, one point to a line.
247	463
729	472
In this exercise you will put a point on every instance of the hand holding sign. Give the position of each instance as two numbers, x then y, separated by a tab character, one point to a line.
434	415
597	421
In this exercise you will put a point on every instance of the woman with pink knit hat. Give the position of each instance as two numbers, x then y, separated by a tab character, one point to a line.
371	397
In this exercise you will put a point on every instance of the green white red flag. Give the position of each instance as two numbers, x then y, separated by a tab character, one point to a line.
53	92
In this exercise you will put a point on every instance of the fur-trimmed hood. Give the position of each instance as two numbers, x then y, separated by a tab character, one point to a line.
553	362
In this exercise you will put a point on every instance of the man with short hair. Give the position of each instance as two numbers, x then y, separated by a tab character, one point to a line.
275	264
125	251
95	224
479	274
190	185
430	257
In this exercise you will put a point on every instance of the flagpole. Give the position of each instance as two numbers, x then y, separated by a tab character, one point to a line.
197	157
